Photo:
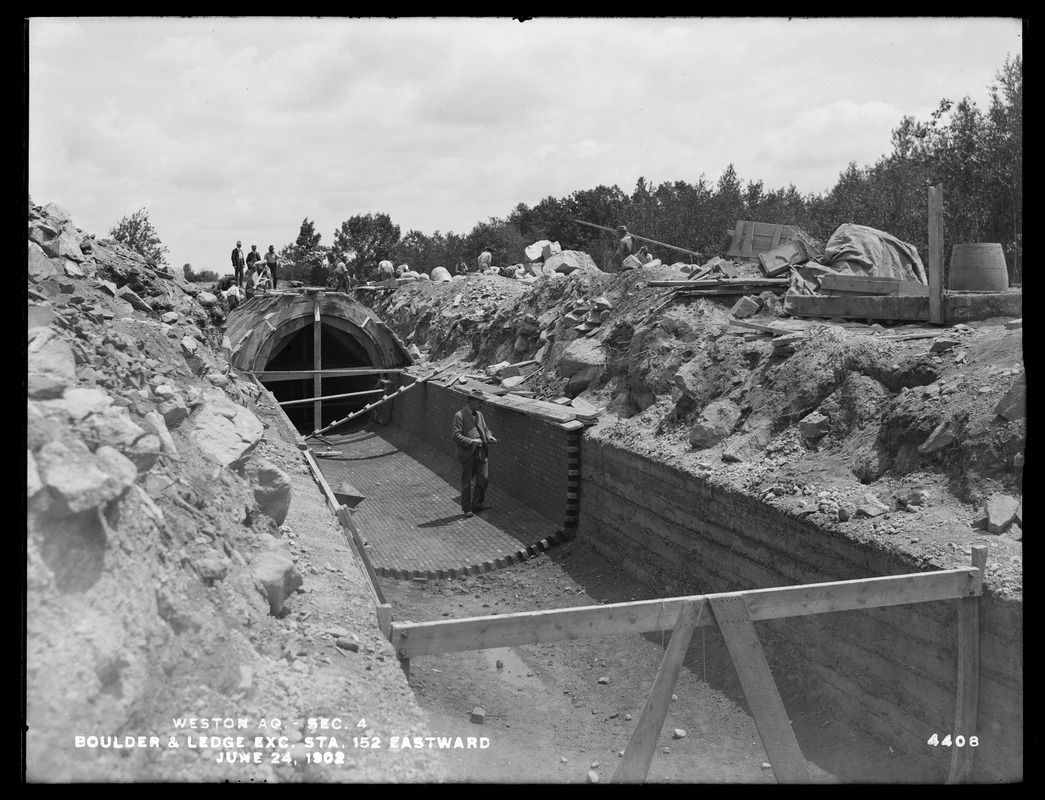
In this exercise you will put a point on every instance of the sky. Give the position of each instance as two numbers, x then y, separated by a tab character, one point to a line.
240	128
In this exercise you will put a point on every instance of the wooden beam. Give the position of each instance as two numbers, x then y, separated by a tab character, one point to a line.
859	307
634	766
873	285
937	311
317	364
641	238
718	282
647	616
274	376
763	699
330	397
967	696
375	404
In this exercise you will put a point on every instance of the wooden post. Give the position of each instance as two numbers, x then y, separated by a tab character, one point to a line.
937	312
634	766
968	691
317	364
749	660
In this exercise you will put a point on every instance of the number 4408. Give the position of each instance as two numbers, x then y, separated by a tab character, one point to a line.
959	741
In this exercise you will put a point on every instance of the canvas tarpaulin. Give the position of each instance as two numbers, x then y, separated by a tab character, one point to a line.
861	251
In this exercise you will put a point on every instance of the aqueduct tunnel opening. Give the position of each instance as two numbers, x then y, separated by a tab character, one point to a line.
321	354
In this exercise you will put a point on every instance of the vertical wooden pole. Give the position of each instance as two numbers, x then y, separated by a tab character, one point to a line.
317	364
937	312
634	766
968	692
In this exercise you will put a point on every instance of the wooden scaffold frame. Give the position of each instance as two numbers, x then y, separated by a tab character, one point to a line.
733	613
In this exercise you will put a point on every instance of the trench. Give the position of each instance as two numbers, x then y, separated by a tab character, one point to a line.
887	673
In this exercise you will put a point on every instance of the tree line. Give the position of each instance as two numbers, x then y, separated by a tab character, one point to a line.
977	155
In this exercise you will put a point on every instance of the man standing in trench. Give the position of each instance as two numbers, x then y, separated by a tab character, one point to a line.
471	436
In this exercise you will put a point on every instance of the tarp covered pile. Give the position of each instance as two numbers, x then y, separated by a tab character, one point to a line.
861	251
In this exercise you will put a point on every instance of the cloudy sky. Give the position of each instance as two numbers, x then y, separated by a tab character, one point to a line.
230	129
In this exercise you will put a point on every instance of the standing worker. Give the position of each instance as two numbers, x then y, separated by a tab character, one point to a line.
272	262
471	436
625	247
238	262
484	260
253	256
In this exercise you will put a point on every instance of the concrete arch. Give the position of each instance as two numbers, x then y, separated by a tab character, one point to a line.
258	328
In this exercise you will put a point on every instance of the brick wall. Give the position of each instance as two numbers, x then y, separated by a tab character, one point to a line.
531	459
890	671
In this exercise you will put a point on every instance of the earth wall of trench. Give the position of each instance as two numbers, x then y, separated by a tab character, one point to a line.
890	672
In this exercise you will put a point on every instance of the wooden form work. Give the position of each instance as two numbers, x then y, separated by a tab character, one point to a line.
733	613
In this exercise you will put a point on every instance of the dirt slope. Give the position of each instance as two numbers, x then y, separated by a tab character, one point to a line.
145	602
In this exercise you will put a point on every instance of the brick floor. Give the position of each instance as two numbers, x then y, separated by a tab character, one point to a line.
411	517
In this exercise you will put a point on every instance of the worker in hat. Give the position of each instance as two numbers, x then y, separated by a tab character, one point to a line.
625	247
484	260
238	262
272	262
341	277
471	436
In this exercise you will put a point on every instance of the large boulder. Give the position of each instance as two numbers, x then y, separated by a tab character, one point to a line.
277	576
569	261
272	489
715	424
542	250
582	362
223	431
80	480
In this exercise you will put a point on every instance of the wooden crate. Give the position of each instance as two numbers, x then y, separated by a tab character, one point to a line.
752	238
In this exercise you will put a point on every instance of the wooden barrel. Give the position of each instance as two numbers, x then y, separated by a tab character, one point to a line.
978	268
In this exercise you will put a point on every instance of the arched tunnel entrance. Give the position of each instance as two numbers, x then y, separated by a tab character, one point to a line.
321	354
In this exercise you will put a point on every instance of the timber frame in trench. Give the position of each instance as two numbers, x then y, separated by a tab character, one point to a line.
733	613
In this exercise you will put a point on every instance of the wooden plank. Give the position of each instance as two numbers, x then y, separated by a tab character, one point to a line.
539	408
937	310
634	766
713	283
855	307
330	397
967	696
275	376
749	660
750	233
873	285
317	365
375	404
776	236
647	616
773	329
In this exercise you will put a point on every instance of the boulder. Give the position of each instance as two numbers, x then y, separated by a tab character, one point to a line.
78	479
746	307
277	576
583	361
272	490
569	261
41	267
870	506
1013	405
441	275
51	357
814	426
223	431
941	436
1001	511
715	424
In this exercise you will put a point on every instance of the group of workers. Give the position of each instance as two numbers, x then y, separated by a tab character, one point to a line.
255	271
